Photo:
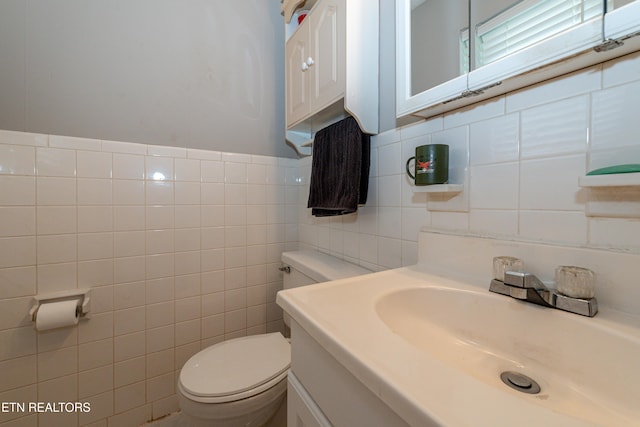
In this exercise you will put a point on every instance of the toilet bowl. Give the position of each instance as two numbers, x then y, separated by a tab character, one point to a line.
240	382
243	382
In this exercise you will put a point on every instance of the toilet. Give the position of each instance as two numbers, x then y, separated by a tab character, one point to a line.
243	382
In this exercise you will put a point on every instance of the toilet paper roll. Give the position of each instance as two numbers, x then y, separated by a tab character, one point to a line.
52	315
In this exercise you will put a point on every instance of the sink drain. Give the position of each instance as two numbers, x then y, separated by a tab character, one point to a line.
520	382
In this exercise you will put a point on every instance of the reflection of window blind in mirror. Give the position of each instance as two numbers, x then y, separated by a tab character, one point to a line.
527	23
464	51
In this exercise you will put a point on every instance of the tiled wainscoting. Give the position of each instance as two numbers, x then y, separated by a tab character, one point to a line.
180	247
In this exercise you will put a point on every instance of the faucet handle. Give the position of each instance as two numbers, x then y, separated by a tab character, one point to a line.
506	263
522	279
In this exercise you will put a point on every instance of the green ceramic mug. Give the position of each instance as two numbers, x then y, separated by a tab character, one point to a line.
431	164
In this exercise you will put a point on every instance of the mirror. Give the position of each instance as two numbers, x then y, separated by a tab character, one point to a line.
617	4
451	51
437	28
503	27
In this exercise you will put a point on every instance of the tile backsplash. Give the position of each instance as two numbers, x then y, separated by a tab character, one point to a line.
519	157
180	247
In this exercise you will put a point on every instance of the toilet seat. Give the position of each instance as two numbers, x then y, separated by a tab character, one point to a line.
236	369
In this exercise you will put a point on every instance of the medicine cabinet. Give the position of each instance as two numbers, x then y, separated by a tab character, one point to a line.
456	52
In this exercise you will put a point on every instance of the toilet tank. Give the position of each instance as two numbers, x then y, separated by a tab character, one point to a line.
307	267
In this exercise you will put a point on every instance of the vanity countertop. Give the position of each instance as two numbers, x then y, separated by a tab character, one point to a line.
449	374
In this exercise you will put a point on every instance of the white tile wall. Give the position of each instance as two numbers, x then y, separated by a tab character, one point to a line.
519	157
181	248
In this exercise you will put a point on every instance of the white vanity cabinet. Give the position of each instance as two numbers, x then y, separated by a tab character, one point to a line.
331	68
302	411
315	61
323	393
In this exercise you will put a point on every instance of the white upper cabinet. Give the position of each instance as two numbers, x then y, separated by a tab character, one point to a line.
315	61
502	45
331	67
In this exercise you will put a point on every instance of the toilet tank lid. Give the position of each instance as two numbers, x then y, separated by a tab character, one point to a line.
320	266
235	366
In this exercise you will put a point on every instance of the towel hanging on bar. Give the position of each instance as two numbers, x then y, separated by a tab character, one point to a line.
339	169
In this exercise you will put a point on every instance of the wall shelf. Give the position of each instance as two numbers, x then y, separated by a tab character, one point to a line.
438	188
610	180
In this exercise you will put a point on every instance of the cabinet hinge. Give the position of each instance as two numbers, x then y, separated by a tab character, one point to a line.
470	93
608	45
614	43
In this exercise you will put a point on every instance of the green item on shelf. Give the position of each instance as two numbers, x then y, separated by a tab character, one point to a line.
628	168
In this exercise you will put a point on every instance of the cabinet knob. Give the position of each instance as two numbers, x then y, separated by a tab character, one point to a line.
310	61
304	67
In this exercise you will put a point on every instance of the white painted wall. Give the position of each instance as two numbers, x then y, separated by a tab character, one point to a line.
195	74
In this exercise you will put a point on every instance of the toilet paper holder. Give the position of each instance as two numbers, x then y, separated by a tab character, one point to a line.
84	303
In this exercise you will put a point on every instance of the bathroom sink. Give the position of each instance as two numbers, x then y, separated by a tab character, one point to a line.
586	370
433	346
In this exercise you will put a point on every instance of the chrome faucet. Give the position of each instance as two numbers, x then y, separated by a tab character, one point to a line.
527	287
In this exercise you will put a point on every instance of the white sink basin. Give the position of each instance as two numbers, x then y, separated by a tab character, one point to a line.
585	370
433	348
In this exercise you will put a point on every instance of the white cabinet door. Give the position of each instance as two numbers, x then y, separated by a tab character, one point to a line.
315	61
327	57
297	75
302	411
430	63
505	47
622	19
